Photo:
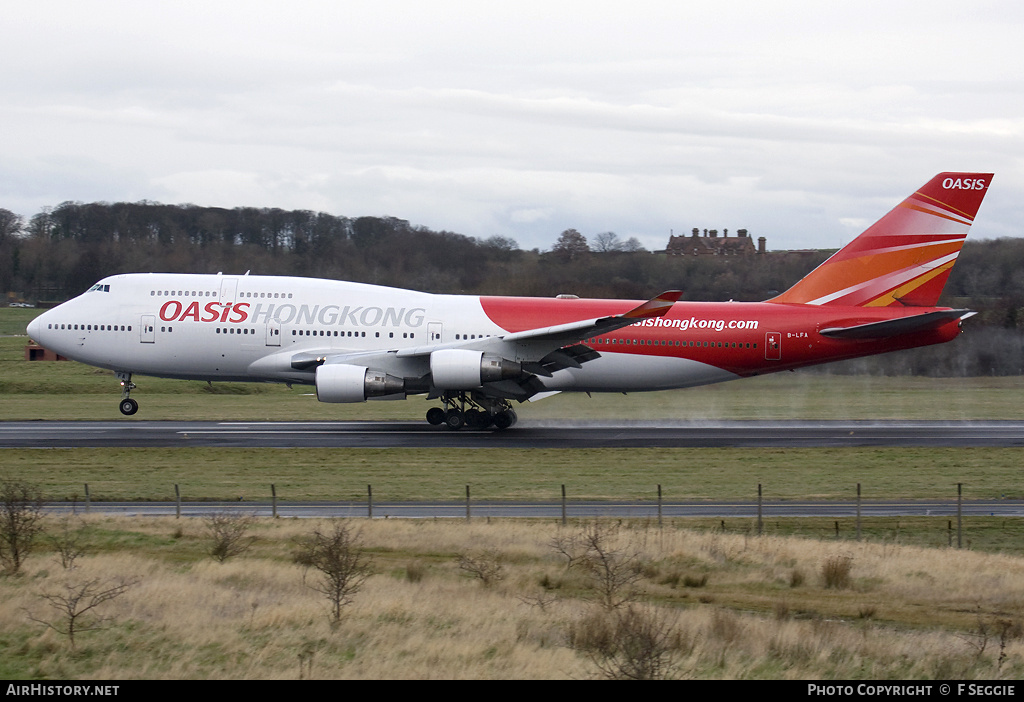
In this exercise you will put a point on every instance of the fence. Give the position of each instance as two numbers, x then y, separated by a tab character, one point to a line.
656	510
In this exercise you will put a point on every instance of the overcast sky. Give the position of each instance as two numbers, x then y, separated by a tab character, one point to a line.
799	121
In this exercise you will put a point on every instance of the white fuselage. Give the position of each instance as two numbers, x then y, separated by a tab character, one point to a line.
250	328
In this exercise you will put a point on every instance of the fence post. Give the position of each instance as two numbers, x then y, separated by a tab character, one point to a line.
87	498
467	504
959	515
659	505
563	504
369	501
177	502
858	511
273	500
759	511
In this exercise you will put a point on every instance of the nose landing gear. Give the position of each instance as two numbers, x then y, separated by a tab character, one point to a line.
128	406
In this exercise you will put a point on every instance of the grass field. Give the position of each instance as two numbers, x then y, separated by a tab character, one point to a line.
708	604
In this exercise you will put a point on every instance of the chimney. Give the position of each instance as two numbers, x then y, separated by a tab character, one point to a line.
761	243
741	233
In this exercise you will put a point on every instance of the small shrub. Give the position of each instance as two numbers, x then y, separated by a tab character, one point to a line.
415	571
835	572
725	627
782	611
228	534
68	541
21	512
695	581
796	578
631	643
340	563
76	604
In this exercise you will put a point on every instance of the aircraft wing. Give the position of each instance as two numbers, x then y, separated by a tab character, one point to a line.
543	350
561	334
897	327
575	331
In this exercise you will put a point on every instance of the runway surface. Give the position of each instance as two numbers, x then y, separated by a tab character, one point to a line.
527	434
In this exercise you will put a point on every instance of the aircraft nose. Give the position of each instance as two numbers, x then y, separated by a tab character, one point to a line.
35	328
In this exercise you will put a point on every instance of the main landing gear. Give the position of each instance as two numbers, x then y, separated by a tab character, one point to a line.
128	405
482	412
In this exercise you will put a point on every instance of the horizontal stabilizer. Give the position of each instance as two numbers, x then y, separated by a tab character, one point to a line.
897	327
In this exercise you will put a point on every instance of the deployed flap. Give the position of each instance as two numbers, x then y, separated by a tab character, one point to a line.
565	357
897	327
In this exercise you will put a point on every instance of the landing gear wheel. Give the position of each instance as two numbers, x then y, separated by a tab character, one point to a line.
435	415
129	406
475	419
505	419
454	419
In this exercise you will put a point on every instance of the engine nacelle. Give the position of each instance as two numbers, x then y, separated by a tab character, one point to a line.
465	369
340	382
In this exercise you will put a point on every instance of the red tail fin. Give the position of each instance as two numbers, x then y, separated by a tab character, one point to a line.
906	256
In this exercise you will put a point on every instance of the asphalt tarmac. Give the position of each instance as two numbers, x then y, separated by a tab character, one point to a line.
526	434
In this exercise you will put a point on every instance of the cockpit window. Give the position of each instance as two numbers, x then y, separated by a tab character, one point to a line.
100	287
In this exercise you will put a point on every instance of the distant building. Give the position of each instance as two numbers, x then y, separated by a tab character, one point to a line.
710	244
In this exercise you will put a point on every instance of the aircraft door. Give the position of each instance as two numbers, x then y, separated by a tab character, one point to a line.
148	329
228	290
773	346
273	333
434	330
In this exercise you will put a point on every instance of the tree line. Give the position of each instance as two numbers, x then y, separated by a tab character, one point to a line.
61	251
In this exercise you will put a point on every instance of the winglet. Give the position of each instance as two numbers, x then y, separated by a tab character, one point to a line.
655	307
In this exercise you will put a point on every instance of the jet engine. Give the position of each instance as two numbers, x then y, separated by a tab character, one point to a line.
340	382
464	369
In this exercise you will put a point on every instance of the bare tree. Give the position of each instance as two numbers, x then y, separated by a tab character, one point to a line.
76	603
484	565
21	506
340	564
632	245
10	225
613	567
607	241
228	534
68	541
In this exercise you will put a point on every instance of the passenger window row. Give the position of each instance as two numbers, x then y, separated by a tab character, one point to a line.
675	342
210	293
182	293
286	296
89	327
321	332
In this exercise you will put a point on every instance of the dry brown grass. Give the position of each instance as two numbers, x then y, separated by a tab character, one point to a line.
907	612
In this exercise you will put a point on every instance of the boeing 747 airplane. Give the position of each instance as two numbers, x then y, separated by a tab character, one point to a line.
355	342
